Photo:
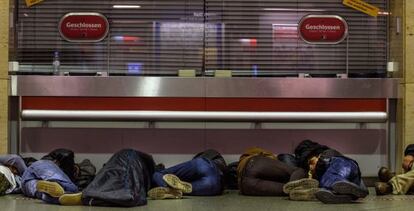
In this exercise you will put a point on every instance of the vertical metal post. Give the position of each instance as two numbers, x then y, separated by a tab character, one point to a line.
347	56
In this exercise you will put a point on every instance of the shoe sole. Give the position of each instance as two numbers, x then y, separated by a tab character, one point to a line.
175	182
71	199
328	197
164	193
305	183
303	194
51	188
348	188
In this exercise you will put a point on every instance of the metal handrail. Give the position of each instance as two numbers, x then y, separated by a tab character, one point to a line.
208	116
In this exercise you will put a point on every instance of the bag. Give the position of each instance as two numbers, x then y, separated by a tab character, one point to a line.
65	159
86	173
123	181
231	176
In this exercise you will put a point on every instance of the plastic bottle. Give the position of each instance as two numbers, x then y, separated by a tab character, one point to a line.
56	63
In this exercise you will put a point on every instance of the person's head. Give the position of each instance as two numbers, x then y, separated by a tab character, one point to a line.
408	158
306	150
13	169
408	163
312	164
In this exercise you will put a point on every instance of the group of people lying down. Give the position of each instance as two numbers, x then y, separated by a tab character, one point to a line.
313	172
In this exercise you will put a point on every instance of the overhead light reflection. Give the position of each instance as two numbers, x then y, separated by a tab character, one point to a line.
293	10
383	13
126	6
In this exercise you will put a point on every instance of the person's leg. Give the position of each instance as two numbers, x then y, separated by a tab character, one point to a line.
402	183
45	177
297	174
186	171
209	182
338	170
353	184
343	177
265	177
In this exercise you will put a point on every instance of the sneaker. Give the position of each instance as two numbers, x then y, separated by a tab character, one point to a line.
175	182
71	199
384	174
51	188
304	183
4	184
328	197
303	194
165	193
345	187
383	188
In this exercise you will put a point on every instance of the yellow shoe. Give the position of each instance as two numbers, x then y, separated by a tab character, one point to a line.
175	182
165	193
71	199
51	188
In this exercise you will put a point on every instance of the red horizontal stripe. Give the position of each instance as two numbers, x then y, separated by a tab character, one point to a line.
203	104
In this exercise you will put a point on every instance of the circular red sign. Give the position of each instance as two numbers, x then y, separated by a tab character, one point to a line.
83	27
323	29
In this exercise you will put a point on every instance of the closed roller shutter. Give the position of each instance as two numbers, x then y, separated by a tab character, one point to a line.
249	37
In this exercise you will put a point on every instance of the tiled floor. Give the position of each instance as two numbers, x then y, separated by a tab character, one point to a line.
229	201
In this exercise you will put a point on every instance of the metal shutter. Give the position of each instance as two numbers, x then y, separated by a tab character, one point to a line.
249	37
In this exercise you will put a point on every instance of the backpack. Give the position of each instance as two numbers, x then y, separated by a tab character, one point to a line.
65	159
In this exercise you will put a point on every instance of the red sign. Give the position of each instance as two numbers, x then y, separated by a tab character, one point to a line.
323	29
83	27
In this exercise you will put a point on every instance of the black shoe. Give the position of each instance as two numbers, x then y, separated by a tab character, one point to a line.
384	174
328	197
383	188
159	167
349	188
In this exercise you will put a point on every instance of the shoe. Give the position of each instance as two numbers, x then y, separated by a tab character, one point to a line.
4	184
304	183
165	193
71	199
328	197
175	182
384	174
349	188
383	188
51	188
159	167
303	194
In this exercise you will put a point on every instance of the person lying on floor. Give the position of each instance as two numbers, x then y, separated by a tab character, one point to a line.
123	182
44	180
12	168
201	176
260	173
339	176
80	174
398	184
43	175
